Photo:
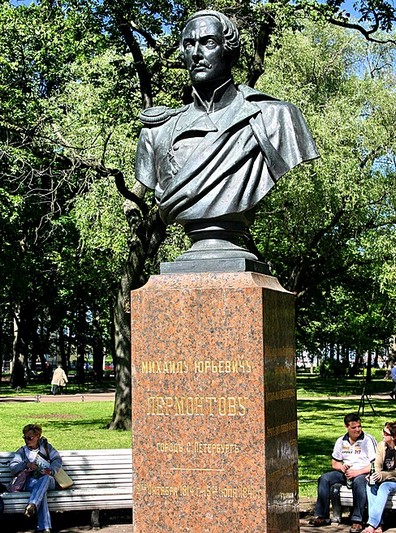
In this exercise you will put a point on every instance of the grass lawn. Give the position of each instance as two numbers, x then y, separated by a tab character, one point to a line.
67	425
313	385
82	425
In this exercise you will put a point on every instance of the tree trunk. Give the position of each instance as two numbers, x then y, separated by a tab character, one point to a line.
368	372
62	348
122	358
18	370
146	237
2	350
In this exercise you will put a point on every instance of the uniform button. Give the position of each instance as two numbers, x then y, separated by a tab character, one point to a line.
176	147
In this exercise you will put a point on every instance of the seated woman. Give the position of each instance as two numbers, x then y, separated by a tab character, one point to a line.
384	477
44	461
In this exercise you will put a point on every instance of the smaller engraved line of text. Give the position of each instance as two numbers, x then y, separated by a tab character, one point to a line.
201	469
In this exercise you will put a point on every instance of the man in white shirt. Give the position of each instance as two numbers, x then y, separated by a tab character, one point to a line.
352	456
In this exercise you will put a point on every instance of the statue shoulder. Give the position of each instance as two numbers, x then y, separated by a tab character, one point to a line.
274	112
265	101
156	116
253	95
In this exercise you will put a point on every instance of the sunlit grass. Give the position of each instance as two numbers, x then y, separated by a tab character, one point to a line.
312	385
67	425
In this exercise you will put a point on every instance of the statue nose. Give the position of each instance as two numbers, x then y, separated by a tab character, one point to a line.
197	52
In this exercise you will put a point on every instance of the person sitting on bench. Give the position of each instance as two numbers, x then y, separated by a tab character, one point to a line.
383	480
352	456
43	461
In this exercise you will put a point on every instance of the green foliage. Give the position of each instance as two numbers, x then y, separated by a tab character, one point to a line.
328	228
65	107
332	367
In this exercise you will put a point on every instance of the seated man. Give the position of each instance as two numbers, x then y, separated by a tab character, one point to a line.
352	456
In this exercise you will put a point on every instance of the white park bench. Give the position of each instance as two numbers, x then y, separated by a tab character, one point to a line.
342	497
102	480
346	499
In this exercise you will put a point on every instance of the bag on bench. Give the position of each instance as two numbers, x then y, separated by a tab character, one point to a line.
63	479
18	482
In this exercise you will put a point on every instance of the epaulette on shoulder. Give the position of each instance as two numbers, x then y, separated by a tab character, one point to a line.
155	116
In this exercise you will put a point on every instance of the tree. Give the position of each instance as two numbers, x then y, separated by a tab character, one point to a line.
38	47
328	230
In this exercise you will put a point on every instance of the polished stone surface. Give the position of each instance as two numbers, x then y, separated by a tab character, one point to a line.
214	404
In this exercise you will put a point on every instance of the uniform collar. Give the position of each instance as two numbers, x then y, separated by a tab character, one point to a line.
195	117
222	97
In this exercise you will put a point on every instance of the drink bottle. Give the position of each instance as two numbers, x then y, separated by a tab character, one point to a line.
349	481
371	481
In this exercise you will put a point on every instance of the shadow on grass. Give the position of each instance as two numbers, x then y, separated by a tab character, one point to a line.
315	385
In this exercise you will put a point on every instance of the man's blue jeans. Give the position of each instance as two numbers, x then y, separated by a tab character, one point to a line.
377	496
322	507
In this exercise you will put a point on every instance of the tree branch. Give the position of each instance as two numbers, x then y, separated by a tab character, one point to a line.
366	33
145	34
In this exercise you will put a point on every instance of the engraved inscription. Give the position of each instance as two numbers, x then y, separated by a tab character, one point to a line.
280	395
233	366
209	491
197	405
222	367
170	447
283	428
198	447
278	474
164	367
205	447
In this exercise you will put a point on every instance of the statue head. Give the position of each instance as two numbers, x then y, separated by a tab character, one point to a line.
209	46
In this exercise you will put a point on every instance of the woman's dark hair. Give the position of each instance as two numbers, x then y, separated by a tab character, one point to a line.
391	426
36	428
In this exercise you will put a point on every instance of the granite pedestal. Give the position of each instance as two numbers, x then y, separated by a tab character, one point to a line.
214	405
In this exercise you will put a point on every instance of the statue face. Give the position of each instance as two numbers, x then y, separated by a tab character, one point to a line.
203	49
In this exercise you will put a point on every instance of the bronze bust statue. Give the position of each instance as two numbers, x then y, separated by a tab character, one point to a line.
212	161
